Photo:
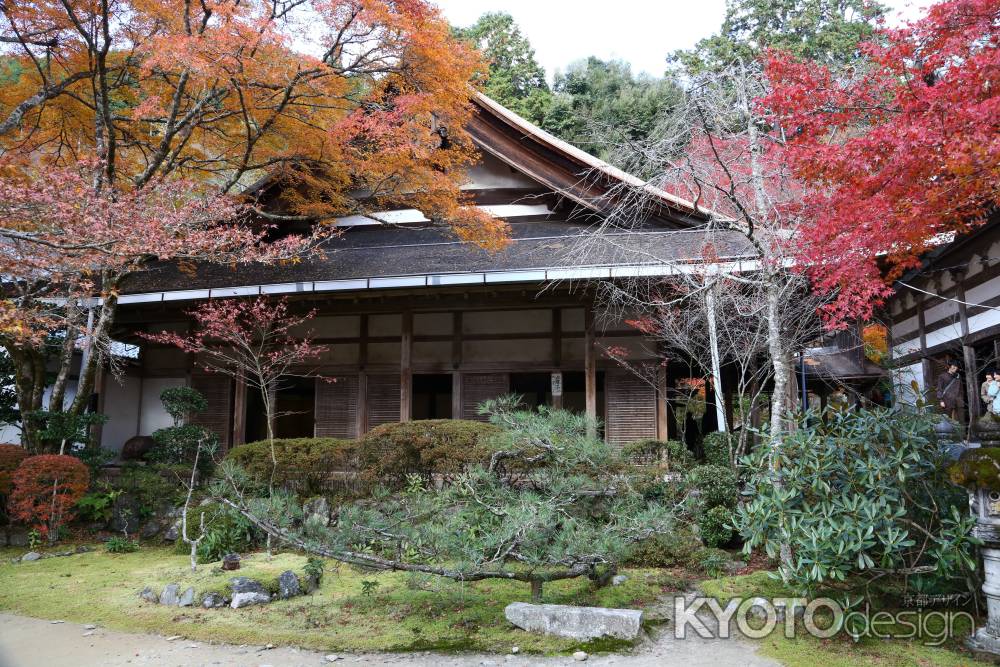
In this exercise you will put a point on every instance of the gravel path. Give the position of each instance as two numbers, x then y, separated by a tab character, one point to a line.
31	642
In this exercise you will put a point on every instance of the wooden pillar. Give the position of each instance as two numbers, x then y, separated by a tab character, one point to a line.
362	416
590	370
556	343
362	403
456	363
968	357
926	367
662	409
240	413
406	369
97	430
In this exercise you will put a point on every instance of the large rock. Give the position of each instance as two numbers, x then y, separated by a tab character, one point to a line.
17	537
212	600
30	556
169	594
149	595
316	510
247	592
187	598
173	532
288	585
575	622
135	448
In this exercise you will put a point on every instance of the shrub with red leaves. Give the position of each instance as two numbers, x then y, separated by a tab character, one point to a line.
45	491
10	458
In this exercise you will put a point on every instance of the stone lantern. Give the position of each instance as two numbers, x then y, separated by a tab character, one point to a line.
978	470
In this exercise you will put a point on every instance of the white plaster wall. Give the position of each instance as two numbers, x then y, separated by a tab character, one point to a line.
121	404
490	172
903	379
153	416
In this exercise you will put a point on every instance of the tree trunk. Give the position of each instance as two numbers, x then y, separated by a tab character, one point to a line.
780	413
536	590
88	372
29	385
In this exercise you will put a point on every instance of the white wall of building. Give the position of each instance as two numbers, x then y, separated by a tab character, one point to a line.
121	405
153	417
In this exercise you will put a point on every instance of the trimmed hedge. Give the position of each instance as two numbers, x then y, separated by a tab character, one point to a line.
717	447
305	465
390	452
669	454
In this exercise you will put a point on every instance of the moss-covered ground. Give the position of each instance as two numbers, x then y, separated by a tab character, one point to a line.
397	613
368	611
804	650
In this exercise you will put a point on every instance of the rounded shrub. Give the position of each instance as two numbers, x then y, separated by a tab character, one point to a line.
717	447
715	526
390	452
677	548
46	489
669	454
11	457
305	466
717	486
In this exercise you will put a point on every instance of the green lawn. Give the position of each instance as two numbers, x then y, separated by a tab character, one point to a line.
403	612
806	651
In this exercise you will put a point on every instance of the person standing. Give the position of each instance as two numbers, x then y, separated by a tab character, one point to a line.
989	389
947	388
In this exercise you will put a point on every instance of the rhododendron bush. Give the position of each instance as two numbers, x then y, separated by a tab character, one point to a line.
899	152
46	490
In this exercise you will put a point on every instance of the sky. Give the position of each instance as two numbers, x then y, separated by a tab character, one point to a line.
641	32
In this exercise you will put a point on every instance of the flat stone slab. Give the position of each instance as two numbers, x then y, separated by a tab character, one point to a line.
575	622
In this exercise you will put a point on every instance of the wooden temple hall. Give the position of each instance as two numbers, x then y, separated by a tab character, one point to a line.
948	312
421	326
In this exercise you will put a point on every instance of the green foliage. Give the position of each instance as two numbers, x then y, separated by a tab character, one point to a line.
447	447
227	532
151	487
314	569
98	506
369	587
669	455
718	448
600	103
94	457
811	29
62	430
717	486
304	465
182	403
715	526
677	548
180	445
859	491
516	80
184	443
117	544
545	506
713	562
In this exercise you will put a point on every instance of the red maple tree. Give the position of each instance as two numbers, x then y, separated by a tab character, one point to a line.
899	152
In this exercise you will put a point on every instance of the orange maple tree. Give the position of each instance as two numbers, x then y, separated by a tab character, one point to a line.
132	131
